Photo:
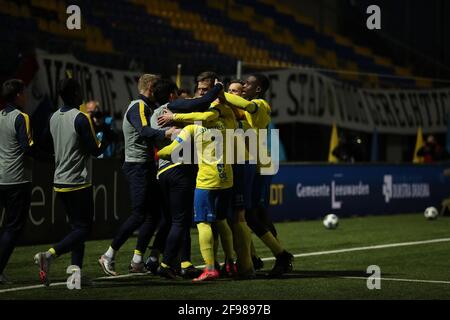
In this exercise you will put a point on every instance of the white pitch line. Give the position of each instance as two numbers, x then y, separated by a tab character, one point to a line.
309	254
56	284
383	246
400	280
120	276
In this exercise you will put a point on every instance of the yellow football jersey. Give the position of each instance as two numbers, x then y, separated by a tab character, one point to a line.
213	171
257	111
257	116
261	118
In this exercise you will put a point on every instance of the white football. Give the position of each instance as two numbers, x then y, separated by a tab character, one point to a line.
431	213
331	221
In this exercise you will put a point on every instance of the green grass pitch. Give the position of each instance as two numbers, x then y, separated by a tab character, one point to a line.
325	276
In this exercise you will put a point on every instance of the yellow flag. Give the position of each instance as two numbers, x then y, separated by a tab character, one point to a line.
419	144
334	141
178	79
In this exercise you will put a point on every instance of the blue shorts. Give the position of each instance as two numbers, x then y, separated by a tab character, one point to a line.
243	184
211	205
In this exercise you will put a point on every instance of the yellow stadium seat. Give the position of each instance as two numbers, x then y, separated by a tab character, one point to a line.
401	71
363	51
383	61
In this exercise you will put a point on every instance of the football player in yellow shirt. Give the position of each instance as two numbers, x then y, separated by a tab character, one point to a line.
222	112
213	185
236	87
257	113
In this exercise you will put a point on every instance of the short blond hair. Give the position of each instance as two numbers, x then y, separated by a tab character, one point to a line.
147	80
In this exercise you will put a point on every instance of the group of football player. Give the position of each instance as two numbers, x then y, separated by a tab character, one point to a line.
170	187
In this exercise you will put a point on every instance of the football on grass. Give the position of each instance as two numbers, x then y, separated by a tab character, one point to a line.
331	221
431	213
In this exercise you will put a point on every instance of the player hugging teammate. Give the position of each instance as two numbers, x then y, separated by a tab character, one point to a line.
230	196
197	177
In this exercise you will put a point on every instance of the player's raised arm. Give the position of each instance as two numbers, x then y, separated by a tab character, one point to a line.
197	104
168	117
241	103
165	153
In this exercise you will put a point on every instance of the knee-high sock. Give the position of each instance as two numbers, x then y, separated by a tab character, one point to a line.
272	243
226	238
206	242
242	239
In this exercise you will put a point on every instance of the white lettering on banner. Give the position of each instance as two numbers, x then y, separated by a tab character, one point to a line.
114	89
387	188
390	190
312	191
404	190
295	96
335	190
352	190
347	191
307	96
100	195
335	205
40	203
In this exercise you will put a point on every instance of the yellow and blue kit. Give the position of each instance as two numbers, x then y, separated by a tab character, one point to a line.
177	185
214	177
256	114
250	185
206	200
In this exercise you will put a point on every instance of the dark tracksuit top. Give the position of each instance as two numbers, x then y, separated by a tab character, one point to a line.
16	143
140	171
200	104
74	142
139	136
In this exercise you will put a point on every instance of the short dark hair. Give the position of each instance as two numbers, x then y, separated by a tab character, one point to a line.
162	90
237	81
67	90
207	75
263	82
11	88
181	91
